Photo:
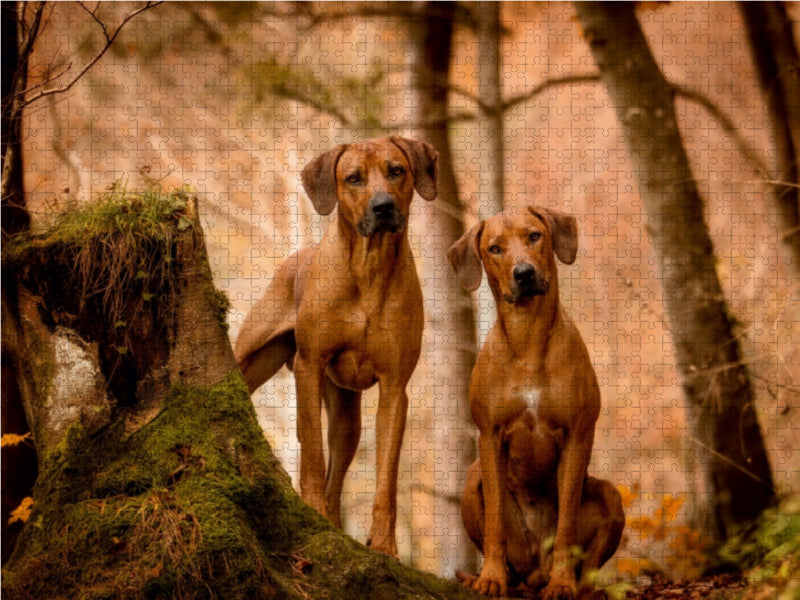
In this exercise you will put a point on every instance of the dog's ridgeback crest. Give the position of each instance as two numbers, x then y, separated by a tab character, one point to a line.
347	313
535	399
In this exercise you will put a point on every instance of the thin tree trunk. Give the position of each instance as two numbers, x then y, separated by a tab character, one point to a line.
490	124
721	408
15	217
491	173
450	321
777	63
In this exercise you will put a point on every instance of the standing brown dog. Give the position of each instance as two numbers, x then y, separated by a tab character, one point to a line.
535	399
346	313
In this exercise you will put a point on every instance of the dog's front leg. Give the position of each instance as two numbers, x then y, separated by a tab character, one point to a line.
308	377
391	423
493	580
571	475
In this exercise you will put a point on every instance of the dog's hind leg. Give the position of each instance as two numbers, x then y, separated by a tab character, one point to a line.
600	523
261	365
343	408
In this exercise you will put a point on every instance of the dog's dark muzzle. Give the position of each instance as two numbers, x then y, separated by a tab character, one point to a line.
382	214
527	283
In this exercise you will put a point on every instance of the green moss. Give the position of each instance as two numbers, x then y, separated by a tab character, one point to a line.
187	503
117	246
220	303
373	576
769	550
191	505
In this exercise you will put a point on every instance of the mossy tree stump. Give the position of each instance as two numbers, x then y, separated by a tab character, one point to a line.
155	480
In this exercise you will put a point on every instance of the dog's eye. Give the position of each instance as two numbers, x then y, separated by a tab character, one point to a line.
396	171
495	249
534	236
354	178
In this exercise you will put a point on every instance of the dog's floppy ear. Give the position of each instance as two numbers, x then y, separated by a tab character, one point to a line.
564	231
319	180
424	161
465	258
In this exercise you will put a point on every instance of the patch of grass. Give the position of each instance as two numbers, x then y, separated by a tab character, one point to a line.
115	246
769	550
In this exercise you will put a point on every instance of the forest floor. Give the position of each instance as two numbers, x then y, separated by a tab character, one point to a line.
714	587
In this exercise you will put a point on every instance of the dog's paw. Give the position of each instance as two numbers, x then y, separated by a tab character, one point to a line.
489	587
559	590
490	582
464	578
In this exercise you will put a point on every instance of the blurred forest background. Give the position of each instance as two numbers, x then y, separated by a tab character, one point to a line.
233	99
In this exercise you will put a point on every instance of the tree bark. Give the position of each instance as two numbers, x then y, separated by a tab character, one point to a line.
171	490
19	461
15	216
450	320
777	66
490	124
721	407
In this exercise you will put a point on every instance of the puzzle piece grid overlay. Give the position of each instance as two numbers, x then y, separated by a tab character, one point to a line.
237	117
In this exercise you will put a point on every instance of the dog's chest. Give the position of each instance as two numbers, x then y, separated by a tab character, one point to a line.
366	345
351	369
533	439
532	404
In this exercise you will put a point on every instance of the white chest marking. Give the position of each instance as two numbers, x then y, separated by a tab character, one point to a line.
532	398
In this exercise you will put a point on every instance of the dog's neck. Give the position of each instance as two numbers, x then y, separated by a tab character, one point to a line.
372	260
528	324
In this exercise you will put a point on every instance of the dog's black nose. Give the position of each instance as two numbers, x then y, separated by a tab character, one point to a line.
382	204
524	273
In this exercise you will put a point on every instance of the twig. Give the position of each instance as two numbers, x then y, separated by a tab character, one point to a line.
727	124
730	463
93	14
109	40
549	83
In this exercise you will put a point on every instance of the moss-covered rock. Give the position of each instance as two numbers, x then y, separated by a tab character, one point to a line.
192	505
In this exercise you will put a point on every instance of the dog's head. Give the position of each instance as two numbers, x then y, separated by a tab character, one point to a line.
517	250
373	181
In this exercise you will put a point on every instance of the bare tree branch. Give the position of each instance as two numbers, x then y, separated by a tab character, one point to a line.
484	108
549	83
96	19
727	124
695	96
109	40
31	34
512	102
401	10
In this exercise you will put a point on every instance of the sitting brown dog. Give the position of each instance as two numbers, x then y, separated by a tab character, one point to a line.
528	503
347	313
